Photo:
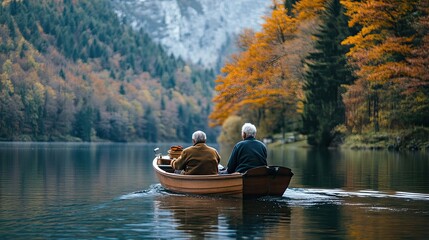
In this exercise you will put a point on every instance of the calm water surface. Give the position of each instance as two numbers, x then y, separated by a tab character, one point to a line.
109	191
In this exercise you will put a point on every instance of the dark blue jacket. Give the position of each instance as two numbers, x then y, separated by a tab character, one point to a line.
247	154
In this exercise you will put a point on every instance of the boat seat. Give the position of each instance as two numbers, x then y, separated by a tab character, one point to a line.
166	168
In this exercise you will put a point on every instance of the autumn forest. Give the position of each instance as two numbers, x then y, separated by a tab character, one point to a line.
72	70
331	68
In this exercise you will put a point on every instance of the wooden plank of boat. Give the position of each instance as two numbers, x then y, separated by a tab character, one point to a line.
256	182
266	181
226	185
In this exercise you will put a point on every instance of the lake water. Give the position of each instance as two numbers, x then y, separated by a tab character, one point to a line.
109	191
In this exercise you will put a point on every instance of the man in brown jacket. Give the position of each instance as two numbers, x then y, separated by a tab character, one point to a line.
198	159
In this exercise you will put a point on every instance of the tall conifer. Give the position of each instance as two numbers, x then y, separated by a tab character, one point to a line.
327	70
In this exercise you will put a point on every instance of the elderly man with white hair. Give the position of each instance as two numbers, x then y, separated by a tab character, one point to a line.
198	159
248	153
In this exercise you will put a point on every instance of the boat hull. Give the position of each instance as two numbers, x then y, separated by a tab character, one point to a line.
266	181
227	185
260	181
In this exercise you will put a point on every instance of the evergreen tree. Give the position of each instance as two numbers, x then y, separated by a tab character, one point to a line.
62	74
289	6
150	128
83	124
327	71
122	90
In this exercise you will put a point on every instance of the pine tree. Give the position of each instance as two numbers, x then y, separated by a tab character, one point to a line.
327	71
84	123
289	6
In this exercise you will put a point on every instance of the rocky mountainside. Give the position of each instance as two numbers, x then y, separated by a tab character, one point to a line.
199	31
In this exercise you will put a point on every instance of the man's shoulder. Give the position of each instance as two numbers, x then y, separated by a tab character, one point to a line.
211	148
241	143
198	146
193	147
189	149
250	142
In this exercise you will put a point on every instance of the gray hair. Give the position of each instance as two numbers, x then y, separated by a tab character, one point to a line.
199	137
249	129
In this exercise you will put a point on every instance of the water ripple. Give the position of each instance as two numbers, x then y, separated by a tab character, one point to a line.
314	196
153	190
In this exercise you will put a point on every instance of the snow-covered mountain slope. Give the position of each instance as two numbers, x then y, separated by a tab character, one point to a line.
199	31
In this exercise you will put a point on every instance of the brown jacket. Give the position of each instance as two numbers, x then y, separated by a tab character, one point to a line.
199	159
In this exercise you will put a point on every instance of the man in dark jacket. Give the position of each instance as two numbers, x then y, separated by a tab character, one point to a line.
248	153
198	159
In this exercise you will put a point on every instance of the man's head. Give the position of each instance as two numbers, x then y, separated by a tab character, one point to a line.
248	130
199	137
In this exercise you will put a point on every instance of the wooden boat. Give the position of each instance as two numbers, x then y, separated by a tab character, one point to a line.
256	182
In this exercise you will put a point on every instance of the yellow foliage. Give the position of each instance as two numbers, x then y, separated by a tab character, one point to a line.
257	78
384	55
231	130
307	9
6	86
7	67
376	43
278	28
51	92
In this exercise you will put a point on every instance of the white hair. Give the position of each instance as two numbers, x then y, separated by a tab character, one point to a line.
199	137
249	129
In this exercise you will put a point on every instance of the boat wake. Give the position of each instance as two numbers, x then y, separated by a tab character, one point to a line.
299	196
302	196
153	190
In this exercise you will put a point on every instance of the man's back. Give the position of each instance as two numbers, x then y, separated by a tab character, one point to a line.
247	154
199	159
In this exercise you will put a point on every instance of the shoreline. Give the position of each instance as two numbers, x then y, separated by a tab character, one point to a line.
407	140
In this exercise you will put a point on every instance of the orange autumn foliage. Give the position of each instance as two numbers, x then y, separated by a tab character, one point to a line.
308	9
384	53
388	54
256	78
